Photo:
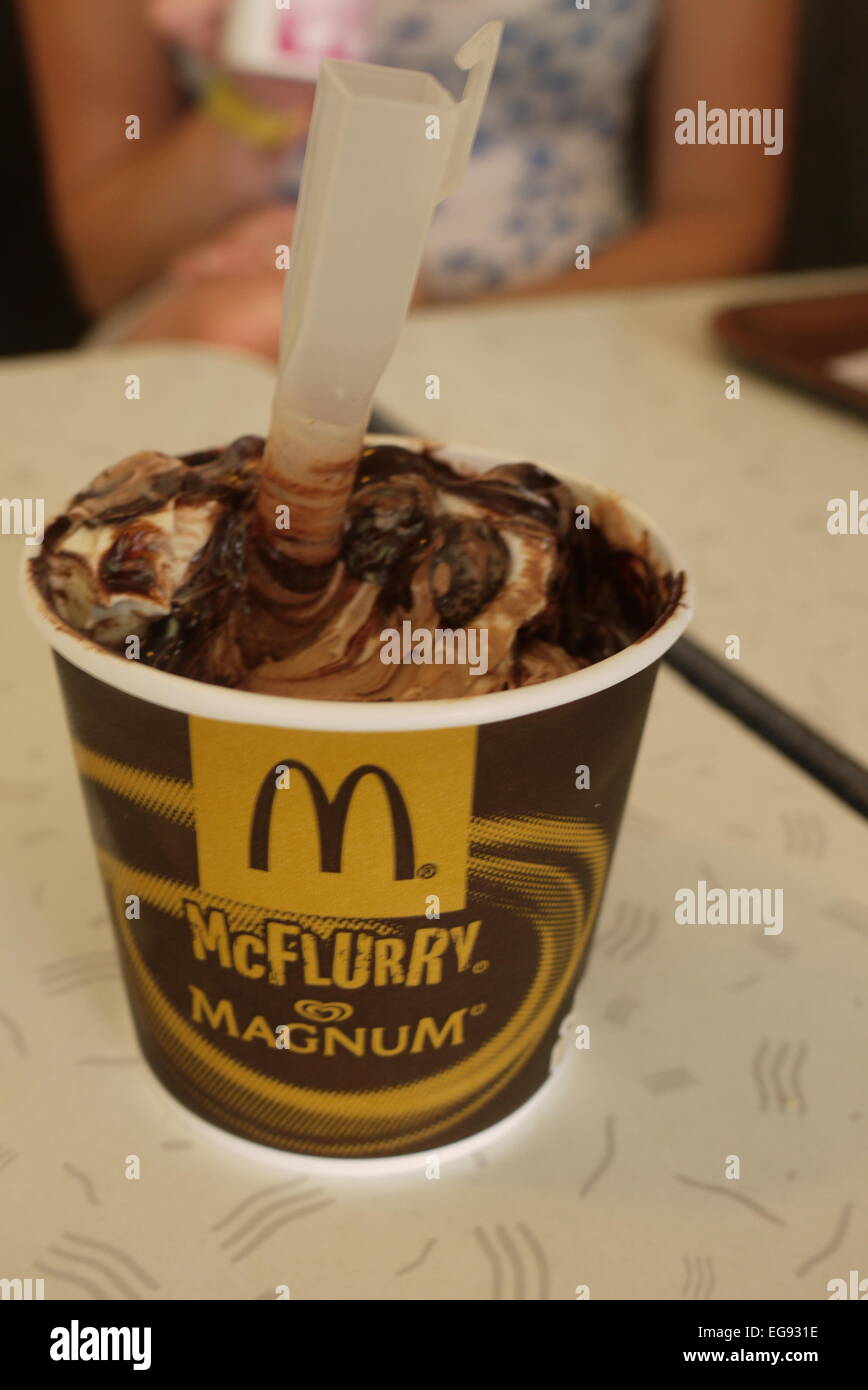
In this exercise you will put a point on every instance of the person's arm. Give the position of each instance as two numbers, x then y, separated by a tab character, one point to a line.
124	207
713	209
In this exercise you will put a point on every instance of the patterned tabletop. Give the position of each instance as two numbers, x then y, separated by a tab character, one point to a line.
707	1044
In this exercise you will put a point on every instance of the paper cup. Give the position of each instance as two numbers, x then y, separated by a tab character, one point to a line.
353	931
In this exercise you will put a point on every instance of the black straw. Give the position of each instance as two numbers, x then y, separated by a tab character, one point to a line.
822	760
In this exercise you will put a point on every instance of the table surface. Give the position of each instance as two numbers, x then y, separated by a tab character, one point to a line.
705	1042
629	390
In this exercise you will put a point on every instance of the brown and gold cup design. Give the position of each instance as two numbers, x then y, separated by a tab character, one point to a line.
351	944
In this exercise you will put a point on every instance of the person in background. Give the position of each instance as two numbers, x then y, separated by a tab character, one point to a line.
199	202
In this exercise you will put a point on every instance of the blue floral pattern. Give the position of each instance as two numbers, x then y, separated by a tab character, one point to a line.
549	167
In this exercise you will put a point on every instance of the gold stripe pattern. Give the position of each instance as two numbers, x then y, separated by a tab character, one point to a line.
169	797
359	1124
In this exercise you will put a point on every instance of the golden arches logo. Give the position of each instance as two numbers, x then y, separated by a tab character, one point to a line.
331	816
332	825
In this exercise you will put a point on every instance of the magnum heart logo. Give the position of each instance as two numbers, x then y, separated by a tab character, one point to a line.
318	1011
354	825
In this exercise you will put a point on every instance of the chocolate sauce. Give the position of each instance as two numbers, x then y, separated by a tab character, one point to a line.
608	598
604	598
530	491
468	563
129	567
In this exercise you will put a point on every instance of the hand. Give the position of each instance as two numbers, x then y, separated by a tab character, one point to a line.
420	295
245	247
194	23
197	24
235	311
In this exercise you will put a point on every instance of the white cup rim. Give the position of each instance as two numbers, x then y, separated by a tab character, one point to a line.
187	696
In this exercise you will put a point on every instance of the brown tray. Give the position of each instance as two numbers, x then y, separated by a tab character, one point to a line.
795	341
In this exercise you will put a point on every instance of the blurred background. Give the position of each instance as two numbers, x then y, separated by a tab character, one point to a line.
826	215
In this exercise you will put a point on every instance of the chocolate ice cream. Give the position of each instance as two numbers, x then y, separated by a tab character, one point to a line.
173	551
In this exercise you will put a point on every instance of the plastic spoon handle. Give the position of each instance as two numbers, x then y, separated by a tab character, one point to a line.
385	146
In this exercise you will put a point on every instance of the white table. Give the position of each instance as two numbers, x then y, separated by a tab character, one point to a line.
705	1042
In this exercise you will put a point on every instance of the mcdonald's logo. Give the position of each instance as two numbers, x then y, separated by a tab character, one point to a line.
331	815
368	826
